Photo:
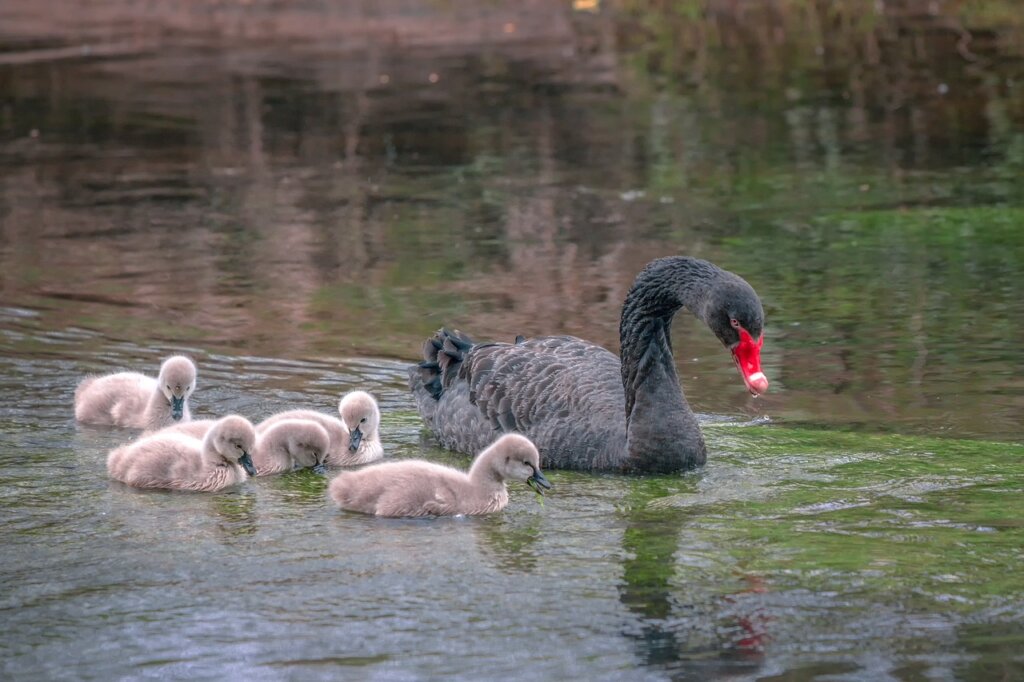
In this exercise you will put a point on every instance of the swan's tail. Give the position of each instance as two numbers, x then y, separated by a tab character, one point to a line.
443	353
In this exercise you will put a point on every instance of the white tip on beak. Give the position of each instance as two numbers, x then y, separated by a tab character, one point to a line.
757	383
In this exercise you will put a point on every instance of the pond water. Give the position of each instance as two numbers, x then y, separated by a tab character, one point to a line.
299	216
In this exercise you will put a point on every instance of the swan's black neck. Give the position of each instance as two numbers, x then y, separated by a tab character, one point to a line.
662	433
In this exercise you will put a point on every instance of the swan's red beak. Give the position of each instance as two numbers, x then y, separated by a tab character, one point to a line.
747	355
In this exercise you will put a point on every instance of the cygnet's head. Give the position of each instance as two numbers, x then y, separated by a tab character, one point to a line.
307	443
361	415
177	380
515	458
233	438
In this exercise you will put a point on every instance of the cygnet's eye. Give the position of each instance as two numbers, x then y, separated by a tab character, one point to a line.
168	387
362	420
239	446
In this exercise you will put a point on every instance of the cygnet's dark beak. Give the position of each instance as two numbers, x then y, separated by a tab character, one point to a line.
246	461
355	437
538	482
177	407
319	468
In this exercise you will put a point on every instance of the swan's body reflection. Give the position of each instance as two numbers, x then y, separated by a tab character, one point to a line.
675	623
706	635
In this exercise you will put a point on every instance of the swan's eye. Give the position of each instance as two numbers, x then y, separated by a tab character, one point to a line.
363	420
734	322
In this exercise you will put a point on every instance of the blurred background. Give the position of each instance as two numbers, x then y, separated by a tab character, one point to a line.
314	179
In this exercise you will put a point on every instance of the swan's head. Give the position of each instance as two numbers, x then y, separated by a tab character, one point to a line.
307	443
233	438
734	313
361	415
177	380
516	458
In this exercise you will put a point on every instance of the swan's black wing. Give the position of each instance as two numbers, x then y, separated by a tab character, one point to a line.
563	393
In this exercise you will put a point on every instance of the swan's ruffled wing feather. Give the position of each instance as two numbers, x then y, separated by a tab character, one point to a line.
564	393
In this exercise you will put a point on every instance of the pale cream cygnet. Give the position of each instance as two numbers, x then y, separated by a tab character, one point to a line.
136	400
421	488
281	446
355	438
290	444
177	461
361	415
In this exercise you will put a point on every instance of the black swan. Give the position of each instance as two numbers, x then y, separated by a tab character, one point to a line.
581	406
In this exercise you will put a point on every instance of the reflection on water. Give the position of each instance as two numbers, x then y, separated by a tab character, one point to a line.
279	190
237	514
702	638
512	542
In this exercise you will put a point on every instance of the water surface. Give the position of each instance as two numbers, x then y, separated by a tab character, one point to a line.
299	209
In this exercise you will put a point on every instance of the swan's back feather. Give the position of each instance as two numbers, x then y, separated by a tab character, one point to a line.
554	390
